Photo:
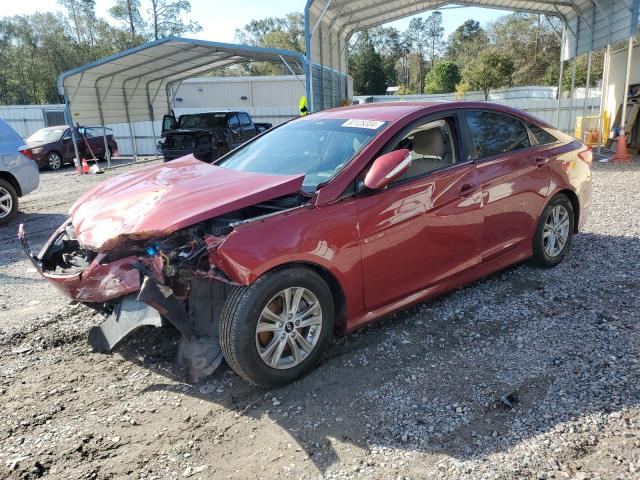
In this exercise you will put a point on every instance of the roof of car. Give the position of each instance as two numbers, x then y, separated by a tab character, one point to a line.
393	111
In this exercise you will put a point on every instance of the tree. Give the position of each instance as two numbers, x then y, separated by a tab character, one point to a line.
285	33
532	45
442	78
128	12
466	42
435	30
166	18
422	37
365	66
388	43
490	70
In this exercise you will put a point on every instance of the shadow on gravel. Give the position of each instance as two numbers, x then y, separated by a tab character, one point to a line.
475	372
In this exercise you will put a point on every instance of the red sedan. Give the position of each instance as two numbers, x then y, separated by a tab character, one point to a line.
320	225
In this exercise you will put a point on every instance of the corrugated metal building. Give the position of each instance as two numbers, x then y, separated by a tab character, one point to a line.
26	119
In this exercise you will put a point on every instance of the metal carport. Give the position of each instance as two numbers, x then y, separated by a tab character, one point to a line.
330	24
134	85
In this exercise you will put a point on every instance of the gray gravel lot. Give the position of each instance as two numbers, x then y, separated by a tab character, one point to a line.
528	374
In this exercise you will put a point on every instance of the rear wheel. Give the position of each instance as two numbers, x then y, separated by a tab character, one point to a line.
54	161
554	233
277	329
8	202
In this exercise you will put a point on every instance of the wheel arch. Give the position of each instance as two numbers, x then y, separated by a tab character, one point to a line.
575	203
12	180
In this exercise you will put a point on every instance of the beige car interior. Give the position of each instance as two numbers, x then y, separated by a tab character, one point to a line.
431	148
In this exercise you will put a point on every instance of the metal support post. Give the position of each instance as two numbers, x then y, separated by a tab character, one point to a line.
67	111
625	92
571	93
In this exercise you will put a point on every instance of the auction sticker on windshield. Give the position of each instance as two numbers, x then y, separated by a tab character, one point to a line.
370	124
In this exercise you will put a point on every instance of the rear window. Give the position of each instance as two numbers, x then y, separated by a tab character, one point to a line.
542	136
494	133
47	135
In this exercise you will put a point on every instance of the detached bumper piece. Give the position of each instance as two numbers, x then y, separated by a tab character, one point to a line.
128	315
199	352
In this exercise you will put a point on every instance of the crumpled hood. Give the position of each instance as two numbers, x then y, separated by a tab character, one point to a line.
158	200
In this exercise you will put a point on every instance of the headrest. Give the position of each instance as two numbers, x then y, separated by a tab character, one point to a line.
429	142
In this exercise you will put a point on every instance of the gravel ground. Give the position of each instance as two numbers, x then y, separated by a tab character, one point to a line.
528	374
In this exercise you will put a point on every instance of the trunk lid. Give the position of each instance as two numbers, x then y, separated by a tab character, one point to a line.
158	200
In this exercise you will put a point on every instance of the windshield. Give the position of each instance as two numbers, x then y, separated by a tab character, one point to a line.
319	149
203	121
47	135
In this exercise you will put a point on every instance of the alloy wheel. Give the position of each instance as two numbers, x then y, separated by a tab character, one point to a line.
556	231
54	161
289	327
6	202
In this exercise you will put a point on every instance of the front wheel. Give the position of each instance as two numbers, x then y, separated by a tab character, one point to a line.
276	329
554	232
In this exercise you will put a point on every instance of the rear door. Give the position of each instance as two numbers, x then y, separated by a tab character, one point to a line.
514	178
425	227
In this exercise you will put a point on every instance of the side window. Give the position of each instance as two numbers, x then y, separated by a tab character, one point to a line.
432	147
233	121
92	133
67	135
542	136
244	119
494	133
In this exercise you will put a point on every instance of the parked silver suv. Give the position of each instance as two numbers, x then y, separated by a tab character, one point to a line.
19	174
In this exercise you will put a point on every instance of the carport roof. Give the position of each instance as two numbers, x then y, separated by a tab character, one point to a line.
129	86
590	24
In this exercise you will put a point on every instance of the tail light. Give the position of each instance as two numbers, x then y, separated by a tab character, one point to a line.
586	156
26	152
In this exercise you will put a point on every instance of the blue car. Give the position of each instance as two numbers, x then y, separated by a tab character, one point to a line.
19	174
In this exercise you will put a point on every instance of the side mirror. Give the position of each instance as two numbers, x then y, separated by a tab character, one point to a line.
387	168
169	122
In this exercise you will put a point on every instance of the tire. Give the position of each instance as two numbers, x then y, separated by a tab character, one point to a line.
8	202
244	310
54	161
554	231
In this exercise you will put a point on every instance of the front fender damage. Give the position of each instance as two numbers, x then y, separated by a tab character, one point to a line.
181	279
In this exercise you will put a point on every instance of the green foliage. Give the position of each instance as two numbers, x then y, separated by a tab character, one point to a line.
466	42
285	33
36	49
490	70
128	12
365	66
442	78
531	43
166	18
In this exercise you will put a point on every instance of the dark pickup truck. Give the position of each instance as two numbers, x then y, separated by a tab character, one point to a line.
207	135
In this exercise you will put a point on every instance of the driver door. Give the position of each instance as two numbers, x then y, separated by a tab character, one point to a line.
426	226
235	131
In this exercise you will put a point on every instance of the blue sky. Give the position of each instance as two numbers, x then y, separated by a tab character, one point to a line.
220	18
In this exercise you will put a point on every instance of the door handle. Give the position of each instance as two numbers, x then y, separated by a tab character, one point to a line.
540	161
467	189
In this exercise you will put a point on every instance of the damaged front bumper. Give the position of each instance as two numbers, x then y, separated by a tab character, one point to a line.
130	292
96	283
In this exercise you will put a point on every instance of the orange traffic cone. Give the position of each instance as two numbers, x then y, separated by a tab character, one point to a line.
85	166
622	154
